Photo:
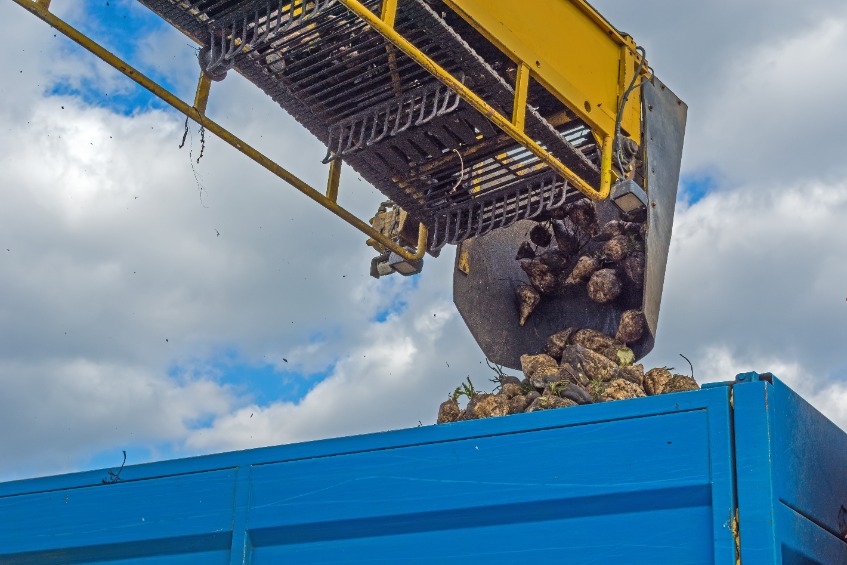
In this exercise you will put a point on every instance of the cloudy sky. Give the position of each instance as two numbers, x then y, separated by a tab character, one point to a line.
169	308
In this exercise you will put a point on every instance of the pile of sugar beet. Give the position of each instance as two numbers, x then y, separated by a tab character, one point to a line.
585	248
579	367
577	248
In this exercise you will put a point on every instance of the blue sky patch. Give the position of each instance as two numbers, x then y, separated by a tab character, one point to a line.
126	103
258	381
397	305
121	27
694	187
397	288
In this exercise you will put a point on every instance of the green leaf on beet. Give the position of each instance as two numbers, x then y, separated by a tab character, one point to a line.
625	357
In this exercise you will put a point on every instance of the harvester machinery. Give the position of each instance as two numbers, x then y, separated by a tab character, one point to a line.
475	118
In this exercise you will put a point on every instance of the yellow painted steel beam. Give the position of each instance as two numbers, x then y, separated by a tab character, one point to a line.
40	10
388	13
600	193
521	90
333	180
572	51
201	97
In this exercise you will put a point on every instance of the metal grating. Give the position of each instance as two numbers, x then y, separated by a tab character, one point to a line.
386	116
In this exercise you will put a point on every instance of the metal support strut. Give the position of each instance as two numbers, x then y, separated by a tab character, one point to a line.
40	8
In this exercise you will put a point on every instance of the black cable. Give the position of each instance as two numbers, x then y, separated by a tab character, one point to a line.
619	118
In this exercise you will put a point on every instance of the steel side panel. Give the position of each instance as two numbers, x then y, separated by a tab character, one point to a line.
665	120
548	491
754	468
805	543
180	515
810	458
644	480
792	478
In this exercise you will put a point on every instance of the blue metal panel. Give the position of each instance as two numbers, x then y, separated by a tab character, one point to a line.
802	542
175	516
792	476
644	480
810	458
633	489
754	467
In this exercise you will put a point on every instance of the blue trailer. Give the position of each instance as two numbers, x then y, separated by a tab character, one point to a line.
742	471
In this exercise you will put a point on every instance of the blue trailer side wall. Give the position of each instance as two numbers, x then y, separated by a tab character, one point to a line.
792	477
650	480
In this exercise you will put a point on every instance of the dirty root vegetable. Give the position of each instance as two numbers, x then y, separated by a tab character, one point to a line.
566	239
606	346
486	406
448	412
528	300
583	215
617	248
594	340
610	230
588	365
508	379
525	251
540	276
549	402
631	326
531	364
517	404
620	389
604	286
655	380
633	268
632	373
540	235
511	390
557	342
555	260
582	271
680	383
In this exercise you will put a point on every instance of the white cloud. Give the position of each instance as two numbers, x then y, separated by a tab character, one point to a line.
759	272
830	398
53	413
115	273
762	79
393	377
